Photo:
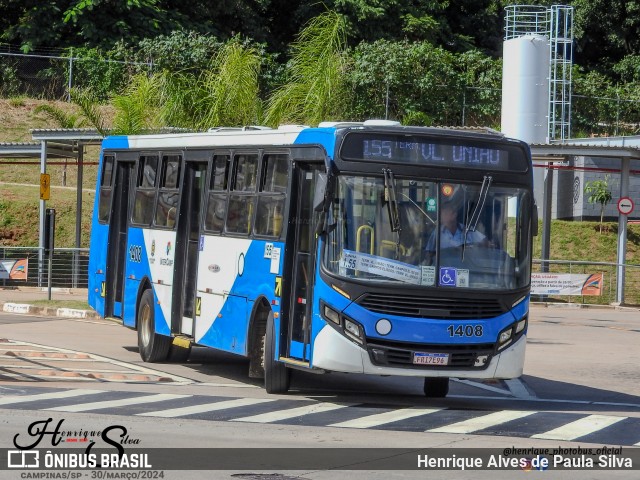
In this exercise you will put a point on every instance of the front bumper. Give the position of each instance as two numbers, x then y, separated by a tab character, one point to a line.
333	352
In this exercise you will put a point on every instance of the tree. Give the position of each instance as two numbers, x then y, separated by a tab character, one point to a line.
598	191
315	85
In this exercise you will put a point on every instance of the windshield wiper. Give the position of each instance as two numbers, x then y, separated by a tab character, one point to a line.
472	221
390	198
392	206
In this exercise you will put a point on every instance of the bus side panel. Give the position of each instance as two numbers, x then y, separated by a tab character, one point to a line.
216	325
150	255
232	273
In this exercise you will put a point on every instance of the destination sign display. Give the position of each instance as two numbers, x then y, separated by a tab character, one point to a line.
431	151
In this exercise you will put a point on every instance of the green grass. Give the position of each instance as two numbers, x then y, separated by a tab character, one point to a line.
19	215
77	304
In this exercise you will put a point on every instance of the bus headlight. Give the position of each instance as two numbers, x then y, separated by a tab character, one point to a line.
505	336
511	333
353	330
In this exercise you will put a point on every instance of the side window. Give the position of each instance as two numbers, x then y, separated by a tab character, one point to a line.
242	196
168	194
217	196
273	186
106	188
145	193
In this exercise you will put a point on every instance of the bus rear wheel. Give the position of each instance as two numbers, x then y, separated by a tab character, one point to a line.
152	347
277	377
436	387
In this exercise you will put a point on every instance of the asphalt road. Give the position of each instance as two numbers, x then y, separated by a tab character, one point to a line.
580	388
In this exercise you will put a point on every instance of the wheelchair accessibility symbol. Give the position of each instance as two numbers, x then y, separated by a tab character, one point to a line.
447	277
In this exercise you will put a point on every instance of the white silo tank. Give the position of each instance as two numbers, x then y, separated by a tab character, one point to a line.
525	88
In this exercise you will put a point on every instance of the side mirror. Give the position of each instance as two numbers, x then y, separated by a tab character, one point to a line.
534	219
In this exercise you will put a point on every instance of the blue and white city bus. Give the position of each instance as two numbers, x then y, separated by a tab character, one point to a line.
318	248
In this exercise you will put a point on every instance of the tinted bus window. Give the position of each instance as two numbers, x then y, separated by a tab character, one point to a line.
145	190
217	197
168	196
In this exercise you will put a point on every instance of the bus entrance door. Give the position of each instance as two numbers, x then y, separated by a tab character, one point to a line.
117	248
187	247
301	264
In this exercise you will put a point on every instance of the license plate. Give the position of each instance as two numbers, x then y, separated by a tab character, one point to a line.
420	358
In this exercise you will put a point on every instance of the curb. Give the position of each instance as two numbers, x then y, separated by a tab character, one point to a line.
28	309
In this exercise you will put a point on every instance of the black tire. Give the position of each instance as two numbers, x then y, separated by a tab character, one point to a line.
152	347
436	387
277	377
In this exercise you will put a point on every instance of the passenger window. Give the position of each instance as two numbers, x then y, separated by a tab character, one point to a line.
220	174
168	196
147	168
145	195
239	214
246	168
275	172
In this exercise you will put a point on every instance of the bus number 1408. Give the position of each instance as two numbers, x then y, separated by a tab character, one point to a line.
465	331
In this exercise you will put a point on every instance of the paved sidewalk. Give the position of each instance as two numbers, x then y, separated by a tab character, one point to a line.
23	300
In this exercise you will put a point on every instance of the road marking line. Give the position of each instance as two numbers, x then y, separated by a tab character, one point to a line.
480	423
207	407
49	396
580	428
83	407
290	413
483	386
386	417
518	388
130	366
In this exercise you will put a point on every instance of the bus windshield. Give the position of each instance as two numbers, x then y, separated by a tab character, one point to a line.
483	241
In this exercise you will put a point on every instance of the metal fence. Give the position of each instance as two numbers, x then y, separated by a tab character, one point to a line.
69	267
609	271
52	76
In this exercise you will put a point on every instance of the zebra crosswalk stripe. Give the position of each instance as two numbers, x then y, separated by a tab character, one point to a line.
207	407
85	407
48	396
386	417
480	423
290	413
580	428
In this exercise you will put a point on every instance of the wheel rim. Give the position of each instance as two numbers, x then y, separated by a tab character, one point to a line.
145	324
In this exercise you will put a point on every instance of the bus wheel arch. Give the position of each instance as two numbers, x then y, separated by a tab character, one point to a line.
152	346
145	284
257	329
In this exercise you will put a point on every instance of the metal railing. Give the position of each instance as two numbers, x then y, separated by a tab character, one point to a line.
609	271
69	267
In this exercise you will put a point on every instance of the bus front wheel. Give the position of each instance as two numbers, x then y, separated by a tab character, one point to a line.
277	377
152	347
436	387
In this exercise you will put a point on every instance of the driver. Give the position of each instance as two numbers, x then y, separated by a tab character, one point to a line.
452	232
